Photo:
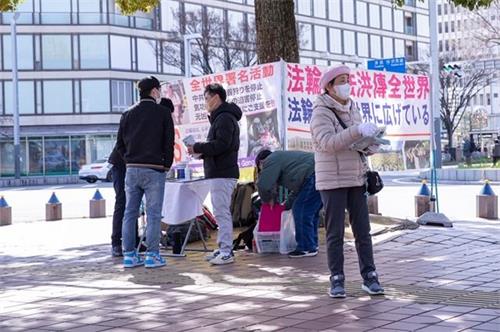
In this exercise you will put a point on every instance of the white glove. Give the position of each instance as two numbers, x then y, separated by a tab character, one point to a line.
367	129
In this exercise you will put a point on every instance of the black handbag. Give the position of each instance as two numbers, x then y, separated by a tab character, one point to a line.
374	182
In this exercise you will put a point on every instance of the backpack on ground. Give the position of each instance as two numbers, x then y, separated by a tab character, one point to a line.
241	205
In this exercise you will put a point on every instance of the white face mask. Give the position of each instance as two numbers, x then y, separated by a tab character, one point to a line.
342	91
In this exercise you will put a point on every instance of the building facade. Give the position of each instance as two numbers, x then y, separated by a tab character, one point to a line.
78	61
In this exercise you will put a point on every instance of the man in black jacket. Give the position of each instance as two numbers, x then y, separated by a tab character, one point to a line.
146	142
220	163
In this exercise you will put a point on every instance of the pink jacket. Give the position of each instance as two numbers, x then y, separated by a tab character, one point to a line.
336	166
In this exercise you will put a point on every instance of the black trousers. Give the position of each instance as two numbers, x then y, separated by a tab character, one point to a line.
335	202
119	186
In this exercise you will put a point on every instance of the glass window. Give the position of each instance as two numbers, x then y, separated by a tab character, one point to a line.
304	7
423	25
95	96
335	41
236	25
399	50
387	47
56	155
348	11
120	52
100	146
56	12
94	51
171	58
334	10
1	98
305	36
321	62
146	49
89	12
26	90
361	15
56	51
169	15
320	43
424	49
375	47
57	97
216	24
319	8
387	15
35	156
306	61
24	52
363	49
6	157
398	21
374	11
121	94
25	9
78	155
349	43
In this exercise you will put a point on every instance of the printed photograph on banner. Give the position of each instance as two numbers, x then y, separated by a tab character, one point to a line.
417	154
390	158
174	90
263	132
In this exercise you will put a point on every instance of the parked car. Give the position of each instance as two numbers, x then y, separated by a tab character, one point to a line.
98	170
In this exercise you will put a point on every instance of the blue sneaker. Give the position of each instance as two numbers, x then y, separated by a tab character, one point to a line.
371	284
337	289
154	259
132	259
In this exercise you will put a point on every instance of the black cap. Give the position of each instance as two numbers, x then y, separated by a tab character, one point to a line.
148	83
263	154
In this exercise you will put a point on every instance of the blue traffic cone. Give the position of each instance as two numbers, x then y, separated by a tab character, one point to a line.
487	190
53	199
3	203
424	189
97	196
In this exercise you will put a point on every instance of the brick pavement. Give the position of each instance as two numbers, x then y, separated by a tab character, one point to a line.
59	276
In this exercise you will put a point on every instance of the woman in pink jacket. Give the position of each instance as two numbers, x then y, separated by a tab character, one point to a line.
341	179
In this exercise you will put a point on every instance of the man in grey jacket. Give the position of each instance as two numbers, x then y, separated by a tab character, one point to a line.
293	170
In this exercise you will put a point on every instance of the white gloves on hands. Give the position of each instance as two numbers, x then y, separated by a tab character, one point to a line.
367	129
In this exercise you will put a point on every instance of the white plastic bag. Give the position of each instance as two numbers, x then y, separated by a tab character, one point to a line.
287	233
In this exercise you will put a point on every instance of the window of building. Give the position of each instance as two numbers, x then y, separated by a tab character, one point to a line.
56	12
304	7
439	9
146	52
424	49
216	17
321	62
56	51
399	48
363	47
374	16
440	27
89	12
334	12
409	24
95	96
57	97
94	51
388	50
488	99
320	38
236	25
410	50
319	8
445	9
306	60
361	13
1	98
121	95
349	43
348	11
305	34
26	90
446	27
78	153
24	52
335	41
387	15
57	155
398	20
452	26
170	57
120	52
375	48
35	156
423	25
170	15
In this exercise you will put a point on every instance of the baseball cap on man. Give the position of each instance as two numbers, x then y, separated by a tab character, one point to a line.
148	83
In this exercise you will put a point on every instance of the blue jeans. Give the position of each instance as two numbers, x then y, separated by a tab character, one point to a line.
139	182
305	211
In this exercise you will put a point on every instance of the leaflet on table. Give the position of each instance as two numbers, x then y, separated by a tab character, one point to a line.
189	141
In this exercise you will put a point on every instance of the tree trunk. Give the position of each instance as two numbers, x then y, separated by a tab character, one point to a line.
276	31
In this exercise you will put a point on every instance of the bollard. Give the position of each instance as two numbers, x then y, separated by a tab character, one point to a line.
53	209
373	204
5	213
97	206
487	203
422	200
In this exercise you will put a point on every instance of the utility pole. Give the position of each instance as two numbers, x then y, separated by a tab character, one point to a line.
435	106
15	97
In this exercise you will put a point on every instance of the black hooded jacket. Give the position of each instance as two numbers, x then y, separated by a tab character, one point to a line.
220	152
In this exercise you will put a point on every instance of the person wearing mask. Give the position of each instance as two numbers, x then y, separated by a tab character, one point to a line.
341	178
220	163
146	142
293	170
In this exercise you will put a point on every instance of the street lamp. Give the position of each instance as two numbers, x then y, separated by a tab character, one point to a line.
15	96
187	52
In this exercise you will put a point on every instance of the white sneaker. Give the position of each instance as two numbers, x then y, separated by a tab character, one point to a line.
212	255
221	259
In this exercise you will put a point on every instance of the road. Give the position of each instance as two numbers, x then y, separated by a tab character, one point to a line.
457	201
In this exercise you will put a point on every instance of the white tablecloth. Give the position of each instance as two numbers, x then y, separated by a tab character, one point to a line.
183	200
